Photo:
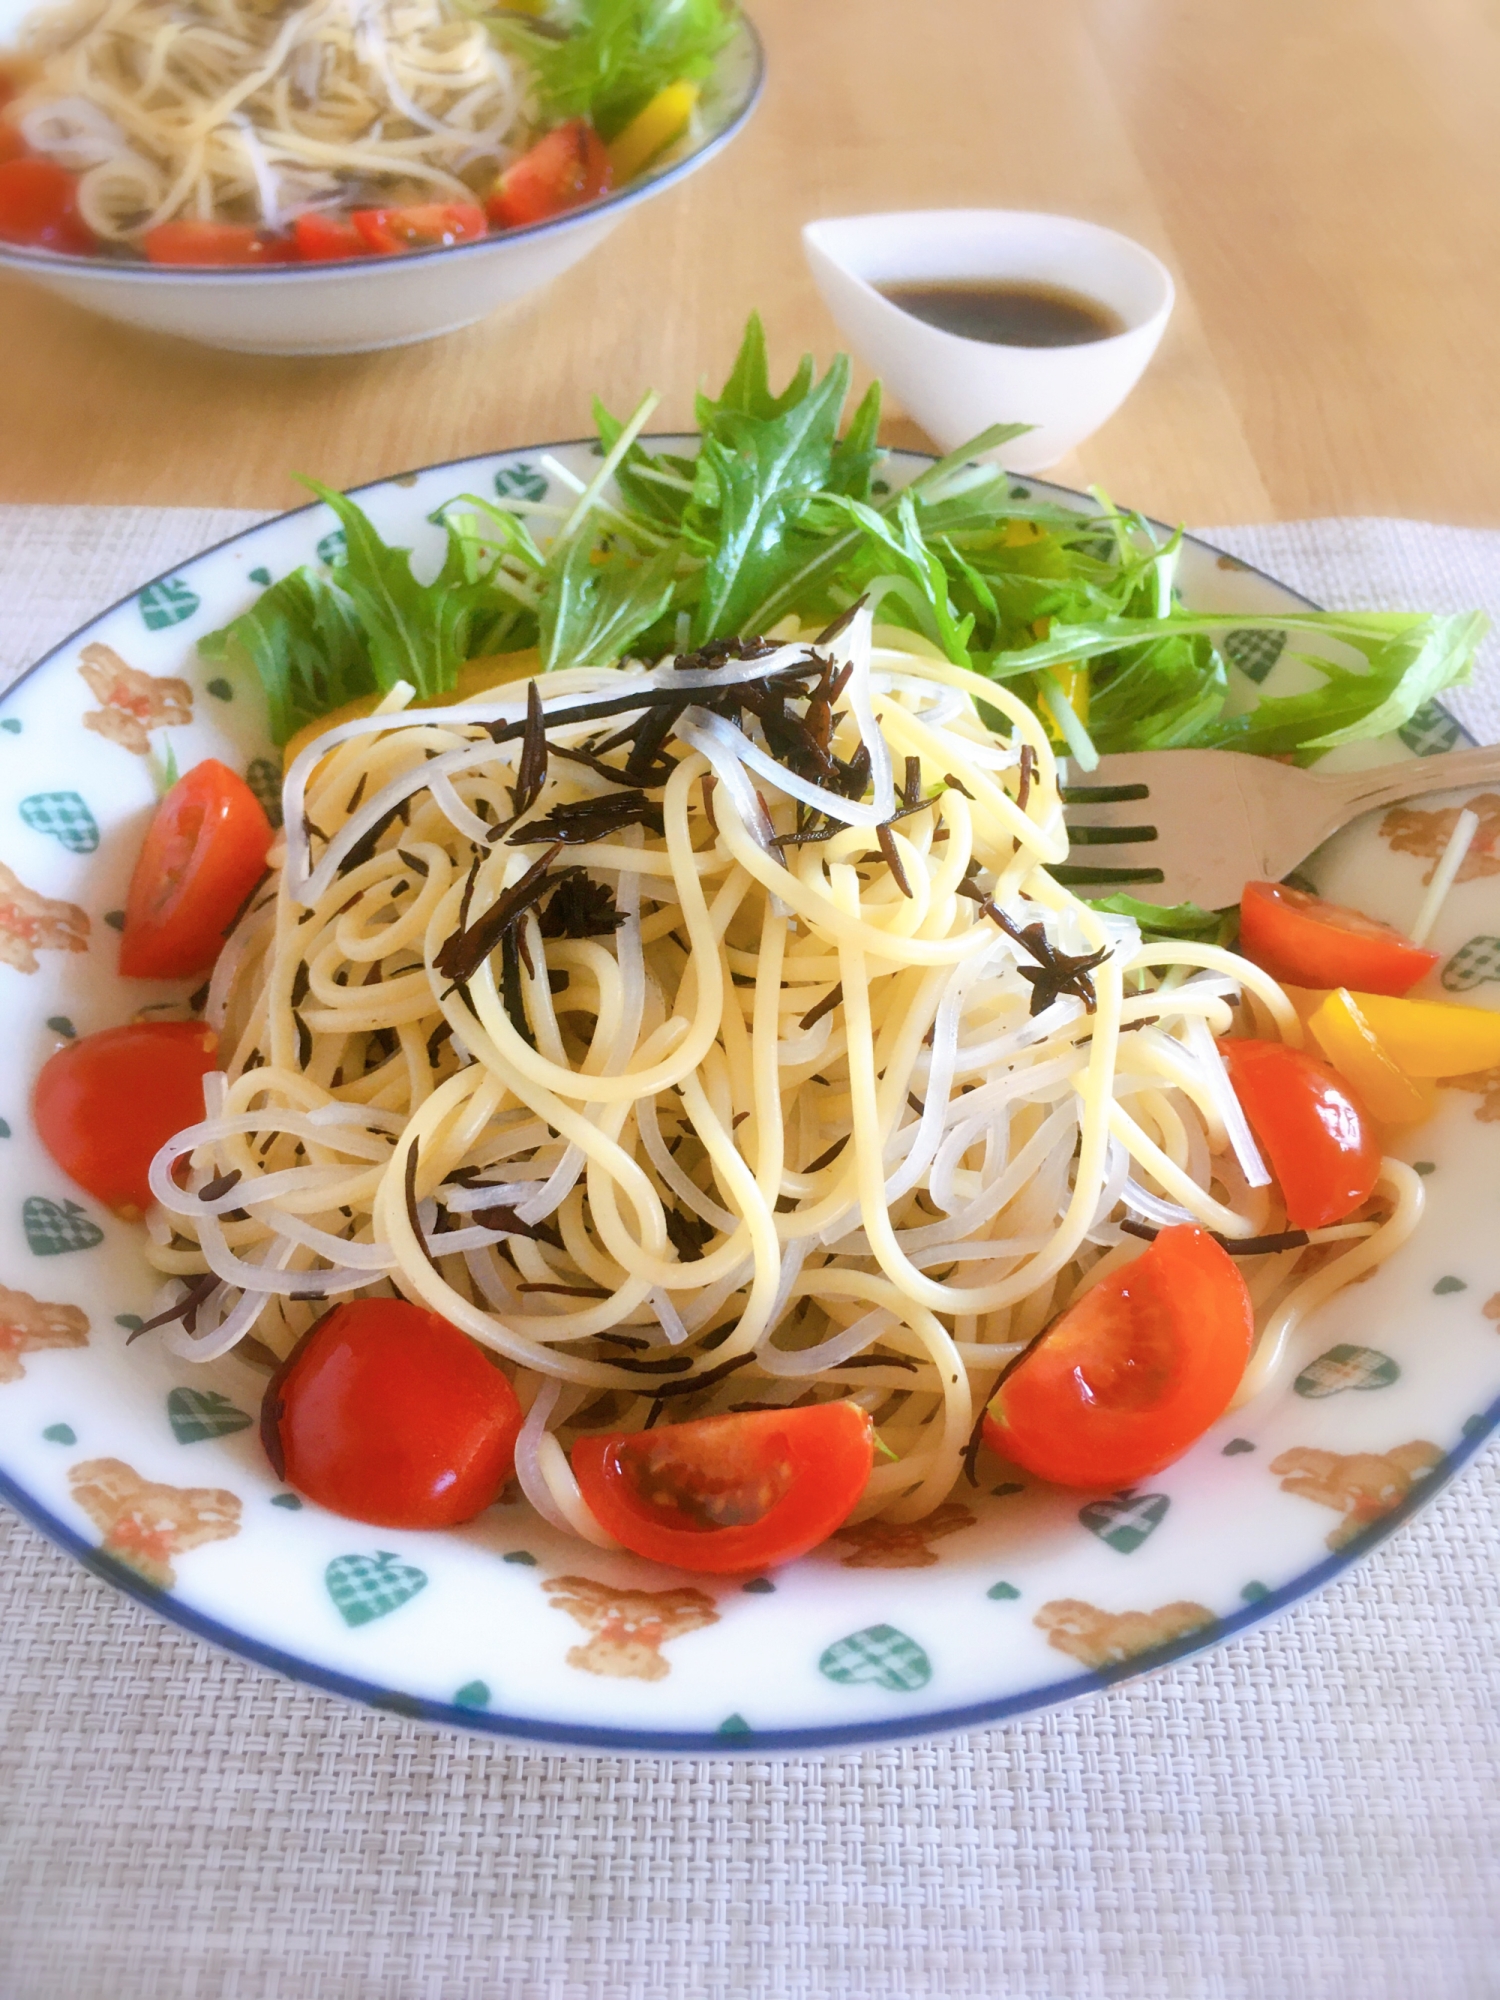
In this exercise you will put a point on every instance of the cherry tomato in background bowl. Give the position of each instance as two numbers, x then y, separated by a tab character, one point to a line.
204	852
39	207
104	1104
733	1493
1133	1372
327	239
1301	938
432	225
565	168
214	243
1314	1130
388	1414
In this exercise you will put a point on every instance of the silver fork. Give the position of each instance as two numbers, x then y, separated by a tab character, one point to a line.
1194	826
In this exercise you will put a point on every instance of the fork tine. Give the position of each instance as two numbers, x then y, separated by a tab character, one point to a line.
1106	878
1102	795
1109	836
1080	875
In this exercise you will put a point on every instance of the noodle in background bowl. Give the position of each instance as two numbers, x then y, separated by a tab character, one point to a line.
351	308
1009	1597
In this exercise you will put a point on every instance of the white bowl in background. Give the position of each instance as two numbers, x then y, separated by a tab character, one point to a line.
953	386
349	308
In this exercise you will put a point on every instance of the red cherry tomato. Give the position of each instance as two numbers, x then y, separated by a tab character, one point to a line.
390	1415
1315	1132
327	239
204	852
433	225
104	1104
733	1493
39	207
566	168
188	242
1133	1373
1303	940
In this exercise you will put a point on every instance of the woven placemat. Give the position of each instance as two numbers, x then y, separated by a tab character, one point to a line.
1311	1810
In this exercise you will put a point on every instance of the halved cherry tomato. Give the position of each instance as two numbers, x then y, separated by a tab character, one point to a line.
39	207
1298	937
186	242
727	1494
432	225
1314	1130
390	1415
327	239
104	1104
1132	1373
204	852
566	168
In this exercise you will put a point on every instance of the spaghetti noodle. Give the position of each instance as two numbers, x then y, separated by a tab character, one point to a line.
247	112
713	1037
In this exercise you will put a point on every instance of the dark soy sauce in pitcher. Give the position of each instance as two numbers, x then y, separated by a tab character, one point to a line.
1007	312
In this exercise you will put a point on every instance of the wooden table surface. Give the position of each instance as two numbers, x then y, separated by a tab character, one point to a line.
1323	177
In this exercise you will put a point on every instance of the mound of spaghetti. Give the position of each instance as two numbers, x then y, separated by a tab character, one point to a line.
710	1038
241	111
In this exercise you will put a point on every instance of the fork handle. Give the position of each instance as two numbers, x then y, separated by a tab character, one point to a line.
1359	791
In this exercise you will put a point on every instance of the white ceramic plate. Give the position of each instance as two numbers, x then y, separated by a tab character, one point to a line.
1011	1597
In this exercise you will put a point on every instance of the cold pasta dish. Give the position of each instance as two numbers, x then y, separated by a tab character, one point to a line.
686	1082
237	132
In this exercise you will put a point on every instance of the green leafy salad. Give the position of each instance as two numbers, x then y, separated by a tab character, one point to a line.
781	514
606	59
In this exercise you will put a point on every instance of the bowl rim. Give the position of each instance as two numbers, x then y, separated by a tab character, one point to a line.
954	222
55	264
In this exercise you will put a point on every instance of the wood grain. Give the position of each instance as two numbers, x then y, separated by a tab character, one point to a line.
1323	176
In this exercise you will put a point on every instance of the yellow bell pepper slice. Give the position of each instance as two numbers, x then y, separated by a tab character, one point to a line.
475	677
651	131
1072	682
1345	1036
1433	1037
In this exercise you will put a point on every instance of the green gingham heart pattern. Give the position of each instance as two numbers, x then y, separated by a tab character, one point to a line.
879	1654
53	1228
364	1588
196	1414
63	815
1126	1520
263	776
1431	731
1476	963
520	482
167	603
1345	1367
333	548
1254	653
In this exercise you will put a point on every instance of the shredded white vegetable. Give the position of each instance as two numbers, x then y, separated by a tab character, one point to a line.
679	1110
239	111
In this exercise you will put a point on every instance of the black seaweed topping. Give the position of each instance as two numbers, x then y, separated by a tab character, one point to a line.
461	956
503	1218
531	772
688	1234
586	820
186	1308
1023	780
580	907
1055	972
